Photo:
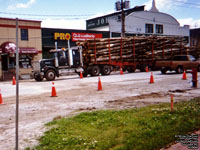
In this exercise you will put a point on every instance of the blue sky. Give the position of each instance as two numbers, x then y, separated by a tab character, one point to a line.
77	11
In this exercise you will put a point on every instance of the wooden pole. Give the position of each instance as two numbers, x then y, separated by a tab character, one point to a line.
123	19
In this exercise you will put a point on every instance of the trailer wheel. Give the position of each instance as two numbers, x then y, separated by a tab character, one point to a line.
38	77
50	75
131	69
179	69
95	71
163	71
106	70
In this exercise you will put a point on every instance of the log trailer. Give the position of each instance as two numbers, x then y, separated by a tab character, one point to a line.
102	56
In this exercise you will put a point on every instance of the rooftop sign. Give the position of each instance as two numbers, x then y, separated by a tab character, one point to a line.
103	20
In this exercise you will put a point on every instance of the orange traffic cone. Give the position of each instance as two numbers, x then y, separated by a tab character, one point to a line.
147	69
13	81
99	85
121	71
184	76
53	91
81	75
1	100
151	79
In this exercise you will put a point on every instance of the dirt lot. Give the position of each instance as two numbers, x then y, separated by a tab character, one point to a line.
76	95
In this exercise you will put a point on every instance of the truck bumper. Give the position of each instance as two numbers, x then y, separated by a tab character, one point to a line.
79	70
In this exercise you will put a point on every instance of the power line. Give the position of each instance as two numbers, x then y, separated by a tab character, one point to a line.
188	3
50	15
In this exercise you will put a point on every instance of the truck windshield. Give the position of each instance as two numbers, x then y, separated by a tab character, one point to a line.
192	58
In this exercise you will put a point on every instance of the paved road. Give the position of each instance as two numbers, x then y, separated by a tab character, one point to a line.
75	94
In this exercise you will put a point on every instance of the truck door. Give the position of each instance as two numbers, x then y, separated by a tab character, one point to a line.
62	58
185	61
76	57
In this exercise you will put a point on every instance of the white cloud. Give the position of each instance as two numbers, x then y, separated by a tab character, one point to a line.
22	5
64	24
69	24
190	21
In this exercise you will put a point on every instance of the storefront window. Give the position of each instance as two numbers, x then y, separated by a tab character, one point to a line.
12	61
25	61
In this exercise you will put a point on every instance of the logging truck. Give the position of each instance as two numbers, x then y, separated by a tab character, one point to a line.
102	56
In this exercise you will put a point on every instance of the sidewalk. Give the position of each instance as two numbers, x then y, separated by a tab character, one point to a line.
179	146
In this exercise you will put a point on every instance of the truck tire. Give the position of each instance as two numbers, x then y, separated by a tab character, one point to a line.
163	71
179	69
95	71
50	75
85	74
130	69
106	70
38	78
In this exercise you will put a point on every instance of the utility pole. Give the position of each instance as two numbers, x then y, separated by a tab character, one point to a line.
17	87
123	19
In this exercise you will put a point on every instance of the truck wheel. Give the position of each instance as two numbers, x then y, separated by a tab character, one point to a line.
131	69
85	74
95	71
38	77
163	71
124	69
106	70
50	75
179	69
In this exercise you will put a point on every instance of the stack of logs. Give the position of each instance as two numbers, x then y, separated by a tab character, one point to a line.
132	49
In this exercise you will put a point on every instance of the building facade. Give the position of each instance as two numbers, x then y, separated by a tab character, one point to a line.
195	37
142	22
66	37
102	23
29	43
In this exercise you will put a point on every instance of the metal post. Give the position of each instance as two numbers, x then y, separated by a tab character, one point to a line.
68	42
95	51
121	47
110	34
152	51
56	45
109	50
194	78
17	85
134	49
163	53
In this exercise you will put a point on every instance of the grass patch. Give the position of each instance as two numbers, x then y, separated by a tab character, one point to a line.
146	128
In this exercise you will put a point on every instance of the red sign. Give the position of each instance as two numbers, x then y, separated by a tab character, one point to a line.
85	36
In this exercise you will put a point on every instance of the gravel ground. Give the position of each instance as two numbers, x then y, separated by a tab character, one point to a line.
75	95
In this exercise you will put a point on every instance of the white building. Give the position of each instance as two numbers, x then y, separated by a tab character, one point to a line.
144	22
149	22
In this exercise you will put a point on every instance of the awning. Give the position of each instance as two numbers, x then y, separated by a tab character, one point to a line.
9	47
28	50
